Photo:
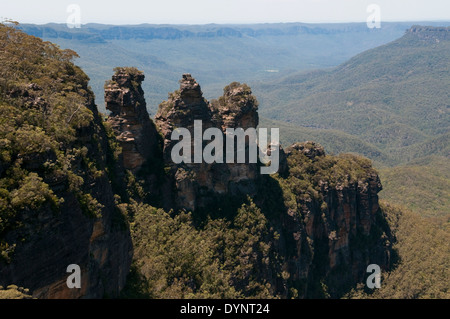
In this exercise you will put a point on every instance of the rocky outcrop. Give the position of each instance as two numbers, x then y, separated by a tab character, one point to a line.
237	107
183	107
332	235
57	201
129	118
310	149
329	238
198	183
323	234
101	249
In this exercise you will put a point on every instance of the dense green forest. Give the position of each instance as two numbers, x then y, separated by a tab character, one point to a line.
42	106
419	182
392	97
422	186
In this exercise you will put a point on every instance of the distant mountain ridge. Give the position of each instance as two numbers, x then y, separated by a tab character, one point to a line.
214	54
393	97
434	33
99	32
390	104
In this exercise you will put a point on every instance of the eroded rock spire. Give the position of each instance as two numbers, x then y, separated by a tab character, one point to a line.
129	118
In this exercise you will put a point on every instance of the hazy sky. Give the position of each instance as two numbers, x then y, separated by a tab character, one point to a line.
222	11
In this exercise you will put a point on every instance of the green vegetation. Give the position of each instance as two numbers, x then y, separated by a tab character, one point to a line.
51	148
303	193
391	97
233	253
44	109
422	186
334	141
313	173
127	70
422	269
174	259
389	104
412	157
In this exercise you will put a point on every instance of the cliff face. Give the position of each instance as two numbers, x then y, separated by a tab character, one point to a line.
57	203
429	34
48	241
333	229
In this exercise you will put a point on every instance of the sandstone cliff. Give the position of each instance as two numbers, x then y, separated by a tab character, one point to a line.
429	34
332	227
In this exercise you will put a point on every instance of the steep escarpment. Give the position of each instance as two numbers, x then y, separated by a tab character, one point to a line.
309	234
57	204
432	34
139	144
330	220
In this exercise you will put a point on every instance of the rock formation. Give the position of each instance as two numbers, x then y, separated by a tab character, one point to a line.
237	107
335	237
198	183
332	235
129	117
